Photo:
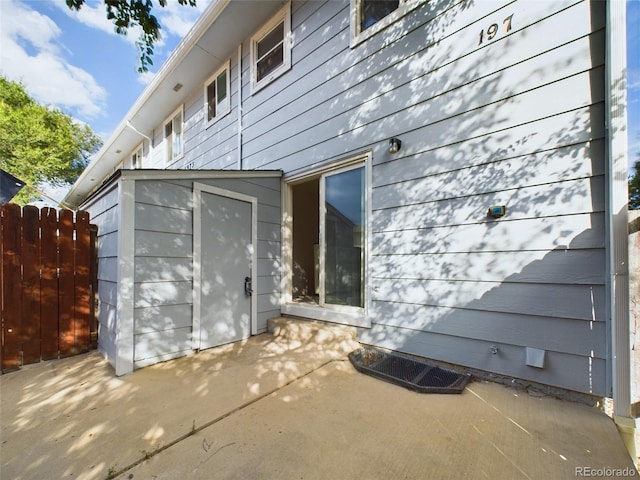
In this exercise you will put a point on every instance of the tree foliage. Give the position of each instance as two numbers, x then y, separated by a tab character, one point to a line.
634	188
126	14
40	144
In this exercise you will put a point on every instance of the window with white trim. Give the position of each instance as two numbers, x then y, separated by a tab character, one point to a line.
173	138
136	158
271	49
371	16
217	94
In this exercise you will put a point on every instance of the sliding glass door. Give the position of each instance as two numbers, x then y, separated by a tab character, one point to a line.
328	239
344	228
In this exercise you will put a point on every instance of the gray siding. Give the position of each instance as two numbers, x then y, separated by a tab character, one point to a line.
215	147
516	121
163	271
163	278
448	282
104	212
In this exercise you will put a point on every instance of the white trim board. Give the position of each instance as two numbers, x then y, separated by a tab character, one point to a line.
196	175
125	328
354	316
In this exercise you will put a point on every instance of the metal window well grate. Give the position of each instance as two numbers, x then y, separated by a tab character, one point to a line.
415	375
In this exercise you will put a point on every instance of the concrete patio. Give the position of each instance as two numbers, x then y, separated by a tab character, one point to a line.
286	405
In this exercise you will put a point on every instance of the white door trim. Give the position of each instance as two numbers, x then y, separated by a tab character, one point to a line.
335	313
198	188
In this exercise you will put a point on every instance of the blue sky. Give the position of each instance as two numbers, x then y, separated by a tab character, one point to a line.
76	62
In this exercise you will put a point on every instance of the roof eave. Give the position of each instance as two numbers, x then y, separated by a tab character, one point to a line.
153	97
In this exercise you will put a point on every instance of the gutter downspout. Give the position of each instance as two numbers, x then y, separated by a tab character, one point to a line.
240	106
617	221
138	131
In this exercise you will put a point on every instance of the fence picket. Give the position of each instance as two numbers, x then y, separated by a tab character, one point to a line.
82	282
49	283
30	331
66	295
12	284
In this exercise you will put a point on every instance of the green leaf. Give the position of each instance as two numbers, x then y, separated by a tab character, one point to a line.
38	143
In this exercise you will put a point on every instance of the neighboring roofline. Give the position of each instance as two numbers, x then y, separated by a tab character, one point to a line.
211	13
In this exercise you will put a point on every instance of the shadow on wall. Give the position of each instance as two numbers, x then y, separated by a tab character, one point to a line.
164	267
516	121
447	281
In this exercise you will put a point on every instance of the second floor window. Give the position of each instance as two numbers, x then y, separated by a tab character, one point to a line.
372	11
173	136
216	94
271	50
136	158
368	17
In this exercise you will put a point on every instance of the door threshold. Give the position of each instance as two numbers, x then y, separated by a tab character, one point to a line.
354	317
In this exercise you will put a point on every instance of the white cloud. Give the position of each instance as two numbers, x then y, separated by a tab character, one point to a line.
32	55
145	77
177	19
94	15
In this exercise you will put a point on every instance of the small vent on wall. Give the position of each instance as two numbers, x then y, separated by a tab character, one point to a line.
535	357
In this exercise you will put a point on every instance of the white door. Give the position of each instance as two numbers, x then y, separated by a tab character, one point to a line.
224	239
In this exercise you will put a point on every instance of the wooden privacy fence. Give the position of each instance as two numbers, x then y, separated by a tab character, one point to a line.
48	286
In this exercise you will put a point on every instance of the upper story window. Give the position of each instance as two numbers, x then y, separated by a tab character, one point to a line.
372	11
136	158
217	93
271	49
173	138
368	17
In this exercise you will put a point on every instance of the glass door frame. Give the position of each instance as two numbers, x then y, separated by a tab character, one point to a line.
350	315
322	234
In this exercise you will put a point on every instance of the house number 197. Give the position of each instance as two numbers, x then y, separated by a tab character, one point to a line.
493	29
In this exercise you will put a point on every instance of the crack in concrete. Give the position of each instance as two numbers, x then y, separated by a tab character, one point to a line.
194	430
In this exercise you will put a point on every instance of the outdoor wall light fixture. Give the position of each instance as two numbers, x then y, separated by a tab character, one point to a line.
394	145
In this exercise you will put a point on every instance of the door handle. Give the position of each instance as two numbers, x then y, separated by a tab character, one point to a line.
248	291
